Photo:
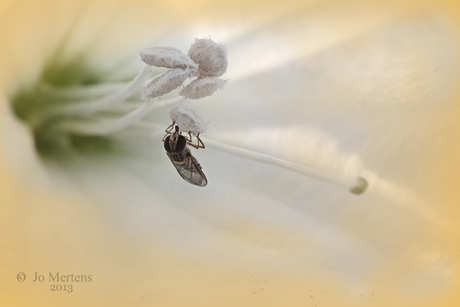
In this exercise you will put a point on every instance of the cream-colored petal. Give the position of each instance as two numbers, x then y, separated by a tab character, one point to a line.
255	235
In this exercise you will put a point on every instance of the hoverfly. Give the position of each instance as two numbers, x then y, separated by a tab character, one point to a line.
181	157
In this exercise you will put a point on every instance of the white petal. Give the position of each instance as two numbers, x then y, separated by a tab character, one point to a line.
326	86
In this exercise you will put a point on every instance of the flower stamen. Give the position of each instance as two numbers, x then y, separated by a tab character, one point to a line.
102	103
104	126
71	93
97	111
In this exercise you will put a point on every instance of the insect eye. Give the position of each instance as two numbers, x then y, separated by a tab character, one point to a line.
181	142
166	144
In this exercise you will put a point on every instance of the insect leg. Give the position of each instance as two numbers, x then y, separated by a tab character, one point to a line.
168	131
200	142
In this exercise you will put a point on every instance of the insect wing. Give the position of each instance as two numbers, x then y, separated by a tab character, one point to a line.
190	170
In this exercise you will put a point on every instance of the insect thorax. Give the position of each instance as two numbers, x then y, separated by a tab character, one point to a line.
179	157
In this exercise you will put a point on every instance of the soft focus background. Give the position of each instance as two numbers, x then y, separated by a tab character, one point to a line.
352	87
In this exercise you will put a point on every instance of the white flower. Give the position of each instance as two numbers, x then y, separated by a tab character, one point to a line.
346	87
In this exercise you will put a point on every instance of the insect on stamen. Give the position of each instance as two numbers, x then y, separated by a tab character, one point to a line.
185	163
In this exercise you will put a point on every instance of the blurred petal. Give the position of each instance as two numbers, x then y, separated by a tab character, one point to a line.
345	86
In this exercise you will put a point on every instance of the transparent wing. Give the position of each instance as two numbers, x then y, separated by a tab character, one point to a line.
190	170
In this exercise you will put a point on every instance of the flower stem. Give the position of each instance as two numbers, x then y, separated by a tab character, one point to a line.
356	185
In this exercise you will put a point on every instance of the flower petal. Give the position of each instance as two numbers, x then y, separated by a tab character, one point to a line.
320	96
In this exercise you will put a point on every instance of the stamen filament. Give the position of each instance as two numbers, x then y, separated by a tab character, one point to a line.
356	185
71	93
104	102
130	105
168	102
104	126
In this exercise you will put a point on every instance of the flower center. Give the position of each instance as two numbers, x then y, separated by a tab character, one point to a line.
72	112
41	108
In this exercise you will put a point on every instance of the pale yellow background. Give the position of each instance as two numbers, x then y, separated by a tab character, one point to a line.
48	228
